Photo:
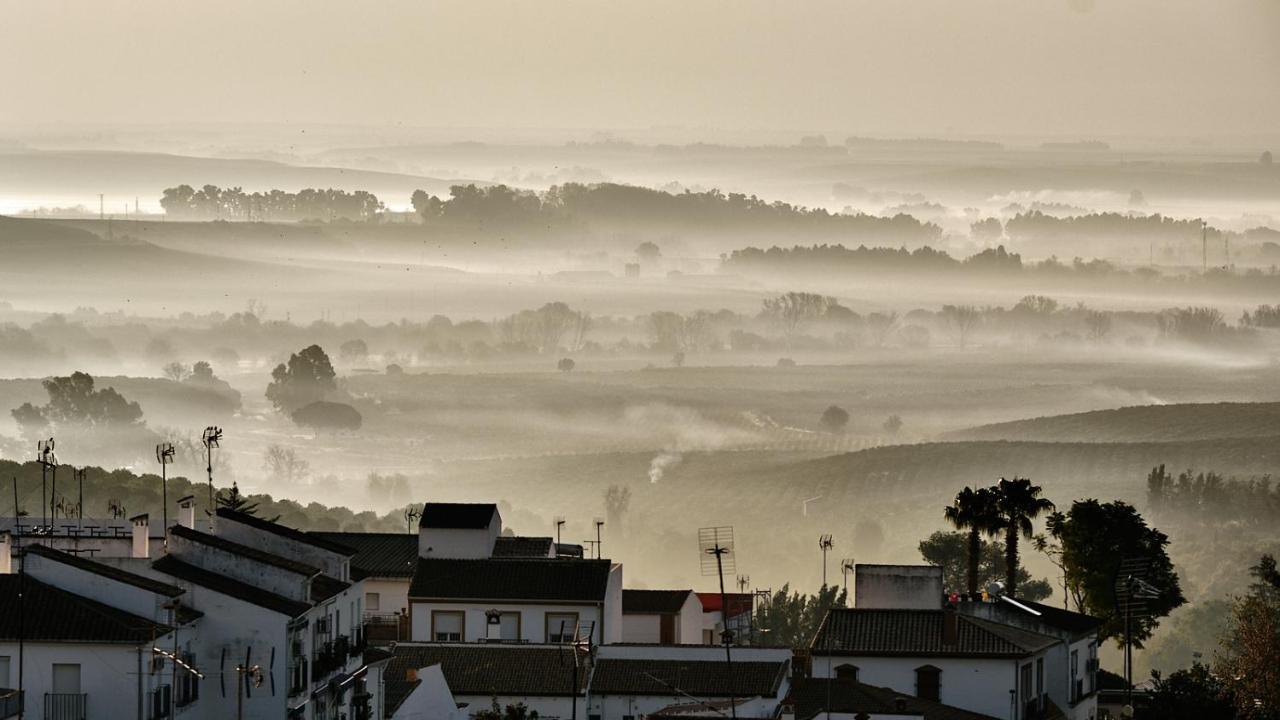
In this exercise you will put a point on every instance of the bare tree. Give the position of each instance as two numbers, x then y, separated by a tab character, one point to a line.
283	465
962	319
1098	324
790	311
880	326
177	371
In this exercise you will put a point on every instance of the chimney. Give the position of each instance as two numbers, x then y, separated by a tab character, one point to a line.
6	553
187	512
411	675
950	625
492	626
141	536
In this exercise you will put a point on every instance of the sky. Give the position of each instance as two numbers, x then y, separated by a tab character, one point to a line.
1081	68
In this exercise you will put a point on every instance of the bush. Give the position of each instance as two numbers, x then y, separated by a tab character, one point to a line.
835	418
324	415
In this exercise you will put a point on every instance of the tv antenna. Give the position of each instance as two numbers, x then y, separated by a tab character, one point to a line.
1132	593
164	456
559	524
825	543
599	542
580	646
48	466
211	437
743	582
847	566
715	552
116	508
411	515
79	474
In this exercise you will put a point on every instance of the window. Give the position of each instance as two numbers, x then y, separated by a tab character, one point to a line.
1074	666
929	683
373	601
509	625
4	671
847	672
1040	679
1091	671
561	626
160	702
188	683
1028	704
447	626
66	678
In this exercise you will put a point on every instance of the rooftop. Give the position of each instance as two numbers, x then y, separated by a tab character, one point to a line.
457	516
55	615
654	601
700	678
488	670
853	631
511	579
170	565
516	546
284	531
739	603
383	555
811	696
107	571
245	551
1056	617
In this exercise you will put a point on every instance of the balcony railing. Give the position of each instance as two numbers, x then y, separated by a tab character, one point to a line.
65	706
10	704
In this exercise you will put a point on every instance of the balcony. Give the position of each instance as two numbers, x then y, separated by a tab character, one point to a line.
385	628
10	704
66	706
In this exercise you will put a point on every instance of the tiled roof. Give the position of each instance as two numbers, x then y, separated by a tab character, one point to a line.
170	565
486	670
811	696
245	551
509	546
850	631
55	615
107	571
654	601
457	516
511	579
384	555
700	678
276	528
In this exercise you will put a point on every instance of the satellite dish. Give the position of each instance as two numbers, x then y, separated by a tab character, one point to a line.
995	588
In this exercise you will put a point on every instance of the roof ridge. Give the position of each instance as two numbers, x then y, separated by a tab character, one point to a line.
248	551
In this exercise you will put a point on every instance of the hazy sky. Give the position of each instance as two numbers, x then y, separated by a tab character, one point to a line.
991	67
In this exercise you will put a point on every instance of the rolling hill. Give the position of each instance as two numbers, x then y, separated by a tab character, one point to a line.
1139	424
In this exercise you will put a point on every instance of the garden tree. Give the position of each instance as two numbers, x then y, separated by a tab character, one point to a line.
325	415
950	551
177	371
790	311
616	501
976	513
1095	537
353	350
283	465
565	365
791	619
519	711
1018	502
1098	324
233	500
1249	662
1195	693
307	378
962	319
835	418
892	424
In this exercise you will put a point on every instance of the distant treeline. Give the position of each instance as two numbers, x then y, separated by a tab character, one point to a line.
826	258
1209	497
1038	227
213	203
604	205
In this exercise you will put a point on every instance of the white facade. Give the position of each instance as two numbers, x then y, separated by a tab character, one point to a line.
114	680
438	542
897	587
642	627
974	684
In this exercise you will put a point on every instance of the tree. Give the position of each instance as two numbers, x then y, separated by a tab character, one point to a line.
648	251
353	350
324	415
790	311
1018	502
202	374
177	371
565	365
307	378
283	465
977	513
1098	324
1095	537
892	424
233	500
950	551
1265	157
835	418
986	230
74	401
1191	694
1250	659
962	319
792	619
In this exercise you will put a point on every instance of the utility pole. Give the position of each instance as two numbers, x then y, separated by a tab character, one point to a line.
102	213
22	593
1204	246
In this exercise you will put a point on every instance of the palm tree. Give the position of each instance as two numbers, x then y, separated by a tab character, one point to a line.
1018	503
977	512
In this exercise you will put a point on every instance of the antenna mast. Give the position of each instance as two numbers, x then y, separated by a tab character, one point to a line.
48	464
715	546
825	543
212	436
164	456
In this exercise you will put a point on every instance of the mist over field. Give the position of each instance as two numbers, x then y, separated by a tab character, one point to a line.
742	265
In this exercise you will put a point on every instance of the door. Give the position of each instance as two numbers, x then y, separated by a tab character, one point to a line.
667	629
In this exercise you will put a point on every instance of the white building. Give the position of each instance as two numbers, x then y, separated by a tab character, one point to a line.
661	617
